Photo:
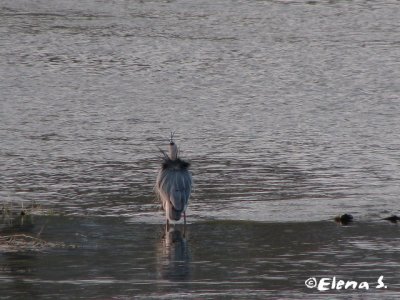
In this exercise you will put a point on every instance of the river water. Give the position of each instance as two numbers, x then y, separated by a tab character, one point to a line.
287	111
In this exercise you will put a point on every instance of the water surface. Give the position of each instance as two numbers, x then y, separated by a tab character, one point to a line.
287	111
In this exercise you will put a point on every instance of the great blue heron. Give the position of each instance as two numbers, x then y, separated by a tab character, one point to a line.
174	184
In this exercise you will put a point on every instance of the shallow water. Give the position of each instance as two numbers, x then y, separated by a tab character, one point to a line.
287	111
110	258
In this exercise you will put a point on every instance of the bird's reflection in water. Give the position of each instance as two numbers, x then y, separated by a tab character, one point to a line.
174	255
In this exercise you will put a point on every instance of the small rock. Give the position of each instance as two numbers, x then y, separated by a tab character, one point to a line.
344	219
392	219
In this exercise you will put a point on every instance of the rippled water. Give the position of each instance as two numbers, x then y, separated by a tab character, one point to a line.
287	111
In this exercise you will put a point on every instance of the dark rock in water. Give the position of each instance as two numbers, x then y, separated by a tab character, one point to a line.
392	219
344	219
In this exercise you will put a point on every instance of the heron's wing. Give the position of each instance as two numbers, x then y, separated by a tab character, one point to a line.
174	186
161	186
179	189
187	189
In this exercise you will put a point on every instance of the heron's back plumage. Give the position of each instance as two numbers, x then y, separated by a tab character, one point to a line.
174	185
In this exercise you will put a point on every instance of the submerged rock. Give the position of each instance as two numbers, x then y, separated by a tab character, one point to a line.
392	219
344	219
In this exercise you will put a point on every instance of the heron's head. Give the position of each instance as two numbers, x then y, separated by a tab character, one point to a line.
173	149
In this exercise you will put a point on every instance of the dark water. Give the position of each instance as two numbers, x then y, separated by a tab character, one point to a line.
214	259
287	110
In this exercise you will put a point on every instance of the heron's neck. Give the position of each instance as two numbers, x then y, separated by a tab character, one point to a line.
173	152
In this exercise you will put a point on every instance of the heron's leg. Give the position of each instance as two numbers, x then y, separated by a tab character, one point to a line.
184	224
167	226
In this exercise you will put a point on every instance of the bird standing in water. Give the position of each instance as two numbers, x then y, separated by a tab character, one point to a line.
174	184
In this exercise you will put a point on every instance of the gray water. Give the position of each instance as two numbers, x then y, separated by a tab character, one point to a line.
287	111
